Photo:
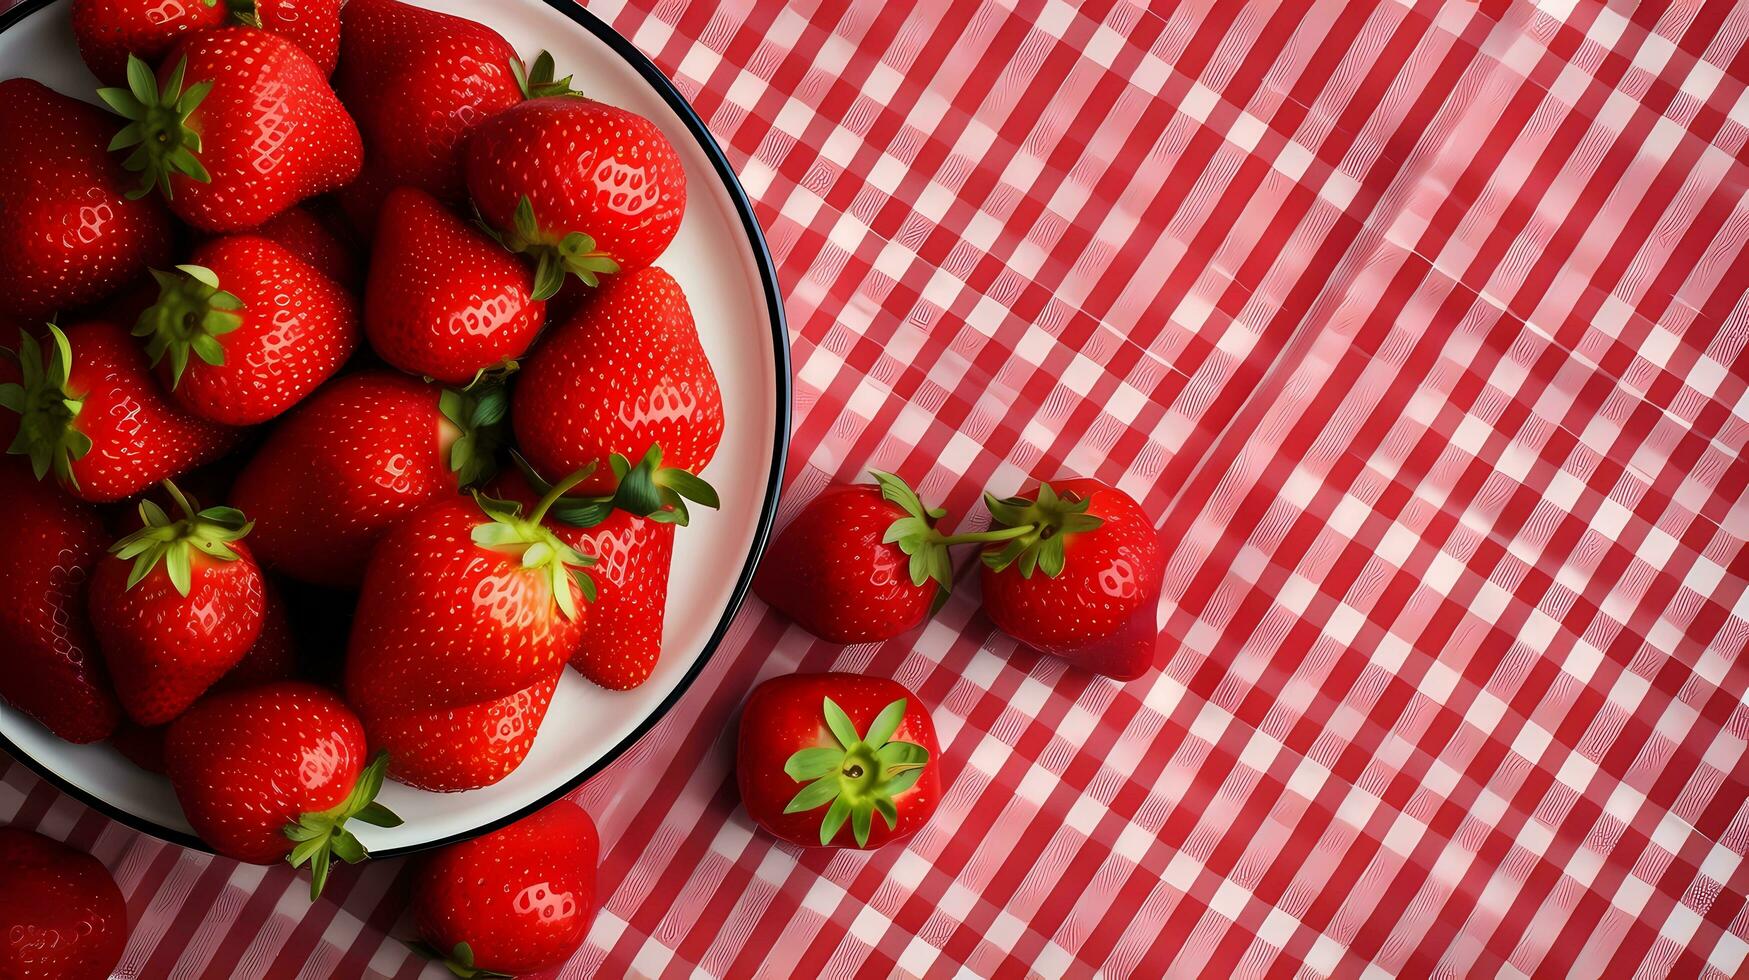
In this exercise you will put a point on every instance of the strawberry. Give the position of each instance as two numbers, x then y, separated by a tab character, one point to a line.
1085	566
517	900
465	601
88	409
444	300
446	750
69	233
276	772
176	605
315	234
110	30
805	772
860	563
48	545
360	454
416	80
246	329
313	25
61	915
256	130
586	187
627	373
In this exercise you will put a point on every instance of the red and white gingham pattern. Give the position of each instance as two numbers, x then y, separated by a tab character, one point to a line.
1421	327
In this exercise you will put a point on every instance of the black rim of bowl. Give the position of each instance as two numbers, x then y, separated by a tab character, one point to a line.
768	511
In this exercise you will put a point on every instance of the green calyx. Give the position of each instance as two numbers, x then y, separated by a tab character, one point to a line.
511	532
190	316
478	414
537	82
158	129
321	837
917	536
46	409
242	11
859	775
647	489
459	961
1038	529
174	541
556	256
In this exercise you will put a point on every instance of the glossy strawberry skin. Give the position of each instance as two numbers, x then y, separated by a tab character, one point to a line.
444	623
416	80
448	750
587	167
273	133
164	649
634	556
784	715
139	437
315	235
48	546
522	897
298	327
313	25
109	30
342	467
832	573
625	373
246	763
68	234
61	915
1109	574
444	300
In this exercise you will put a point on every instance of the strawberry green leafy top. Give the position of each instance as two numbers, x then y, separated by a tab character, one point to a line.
859	776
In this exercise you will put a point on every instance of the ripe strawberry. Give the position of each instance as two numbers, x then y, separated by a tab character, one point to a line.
518	900
88	409
627	373
110	30
61	915
264	330
416	80
586	187
860	563
272	657
176	605
313	25
315	234
447	750
360	454
256	130
444	300
276	772
69	234
48	545
465	601
799	750
1085	566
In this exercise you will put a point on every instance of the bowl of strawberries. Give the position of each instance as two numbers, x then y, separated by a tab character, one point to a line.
395	396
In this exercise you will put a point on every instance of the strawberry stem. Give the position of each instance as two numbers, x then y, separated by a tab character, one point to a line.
1046	522
158	126
987	537
173	542
191	313
858	774
320	837
558	490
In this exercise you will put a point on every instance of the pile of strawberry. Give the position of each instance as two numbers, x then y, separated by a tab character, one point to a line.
385	298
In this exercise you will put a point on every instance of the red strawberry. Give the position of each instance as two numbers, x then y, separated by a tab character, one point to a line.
357	456
89	410
1085	567
48	545
465	601
110	30
276	772
416	80
313	25
176	605
627	373
587	187
447	750
247	330
314	234
518	900
69	234
807	775
444	300
61	915
256	130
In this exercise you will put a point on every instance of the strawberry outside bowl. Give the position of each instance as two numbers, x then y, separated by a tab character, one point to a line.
720	260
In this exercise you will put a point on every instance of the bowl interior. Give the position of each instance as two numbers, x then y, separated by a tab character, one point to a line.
718	260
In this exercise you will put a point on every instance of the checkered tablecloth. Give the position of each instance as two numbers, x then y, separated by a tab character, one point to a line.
1421	329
